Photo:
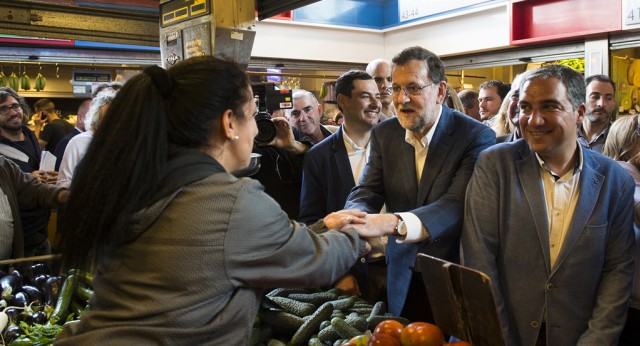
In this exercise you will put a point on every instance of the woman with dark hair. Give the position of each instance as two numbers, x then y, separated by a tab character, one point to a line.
182	249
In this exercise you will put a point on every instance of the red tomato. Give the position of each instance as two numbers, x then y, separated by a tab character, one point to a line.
421	334
389	327
458	343
378	339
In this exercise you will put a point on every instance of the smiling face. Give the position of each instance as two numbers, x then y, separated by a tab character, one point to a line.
362	109
12	120
548	121
306	114
417	113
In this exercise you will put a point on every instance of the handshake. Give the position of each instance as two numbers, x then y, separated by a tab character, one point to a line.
367	225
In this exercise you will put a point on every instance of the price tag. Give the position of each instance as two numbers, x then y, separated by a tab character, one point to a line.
631	12
412	9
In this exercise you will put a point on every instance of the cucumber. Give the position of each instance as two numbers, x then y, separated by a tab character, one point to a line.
294	307
83	293
342	304
283	292
344	329
328	335
358	322
315	342
64	300
314	298
281	320
310	326
378	309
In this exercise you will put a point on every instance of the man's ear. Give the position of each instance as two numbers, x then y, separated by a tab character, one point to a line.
442	92
580	113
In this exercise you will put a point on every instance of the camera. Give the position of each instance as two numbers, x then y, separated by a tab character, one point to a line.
268	98
266	127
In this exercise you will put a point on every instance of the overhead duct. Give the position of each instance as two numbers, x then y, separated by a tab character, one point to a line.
222	28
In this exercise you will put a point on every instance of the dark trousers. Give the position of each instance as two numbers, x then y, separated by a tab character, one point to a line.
416	307
631	333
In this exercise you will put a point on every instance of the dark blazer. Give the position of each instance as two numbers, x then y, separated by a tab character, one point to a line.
506	235
327	179
509	137
438	201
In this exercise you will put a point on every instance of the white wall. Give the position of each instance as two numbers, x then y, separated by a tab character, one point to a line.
482	29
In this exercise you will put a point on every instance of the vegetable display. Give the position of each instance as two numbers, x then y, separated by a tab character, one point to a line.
294	316
36	304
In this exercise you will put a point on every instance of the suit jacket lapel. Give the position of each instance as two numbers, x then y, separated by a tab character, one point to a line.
439	148
529	175
341	158
589	188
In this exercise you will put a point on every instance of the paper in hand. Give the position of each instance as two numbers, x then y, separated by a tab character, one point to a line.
47	161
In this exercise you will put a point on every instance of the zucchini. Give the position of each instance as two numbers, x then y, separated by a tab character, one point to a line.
283	292
83	293
310	326
344	329
64	300
294	307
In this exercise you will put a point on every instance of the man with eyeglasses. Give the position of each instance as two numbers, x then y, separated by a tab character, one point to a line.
380	70
419	166
54	128
601	106
19	144
305	116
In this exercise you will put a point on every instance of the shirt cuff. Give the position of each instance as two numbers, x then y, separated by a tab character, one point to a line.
416	232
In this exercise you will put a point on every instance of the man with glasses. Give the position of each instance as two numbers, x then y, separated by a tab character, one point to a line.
380	70
305	116
420	164
19	144
55	128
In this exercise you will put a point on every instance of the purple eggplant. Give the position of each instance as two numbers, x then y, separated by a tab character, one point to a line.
20	299
12	333
9	285
40	281
52	289
35	296
12	313
39	317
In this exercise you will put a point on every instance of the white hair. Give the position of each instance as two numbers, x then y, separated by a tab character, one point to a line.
93	114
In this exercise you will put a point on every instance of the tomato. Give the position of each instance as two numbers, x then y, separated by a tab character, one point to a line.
360	340
389	327
421	334
458	343
379	339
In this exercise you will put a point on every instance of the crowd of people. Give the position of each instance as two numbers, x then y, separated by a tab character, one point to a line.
533	180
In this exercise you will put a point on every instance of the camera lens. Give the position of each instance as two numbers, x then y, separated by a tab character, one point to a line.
266	128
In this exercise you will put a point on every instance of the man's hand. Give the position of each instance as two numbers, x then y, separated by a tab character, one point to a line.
46	177
376	225
348	285
342	218
285	138
63	196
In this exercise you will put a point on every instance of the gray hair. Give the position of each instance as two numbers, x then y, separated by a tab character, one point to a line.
93	114
572	80
300	93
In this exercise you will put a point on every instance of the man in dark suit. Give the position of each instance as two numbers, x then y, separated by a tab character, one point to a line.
420	164
551	223
334	166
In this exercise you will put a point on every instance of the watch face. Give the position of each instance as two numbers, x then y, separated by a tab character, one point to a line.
402	228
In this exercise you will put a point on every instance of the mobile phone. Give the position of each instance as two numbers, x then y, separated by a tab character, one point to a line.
43	116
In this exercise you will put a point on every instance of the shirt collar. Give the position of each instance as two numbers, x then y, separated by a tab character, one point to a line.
424	141
350	144
576	169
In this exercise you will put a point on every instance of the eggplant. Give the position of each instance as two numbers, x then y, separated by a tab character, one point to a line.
25	316
39	317
35	296
40	269
52	290
13	315
9	285
12	333
20	299
39	281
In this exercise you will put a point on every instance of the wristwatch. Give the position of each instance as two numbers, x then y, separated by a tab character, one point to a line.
401	229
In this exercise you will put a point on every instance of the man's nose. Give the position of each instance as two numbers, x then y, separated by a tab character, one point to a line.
536	118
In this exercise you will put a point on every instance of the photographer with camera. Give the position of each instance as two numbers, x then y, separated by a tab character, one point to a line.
282	149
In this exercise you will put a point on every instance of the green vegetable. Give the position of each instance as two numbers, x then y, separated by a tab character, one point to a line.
37	334
378	309
310	326
343	304
294	307
328	334
344	329
83	293
358	322
313	298
64	300
315	342
281	320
